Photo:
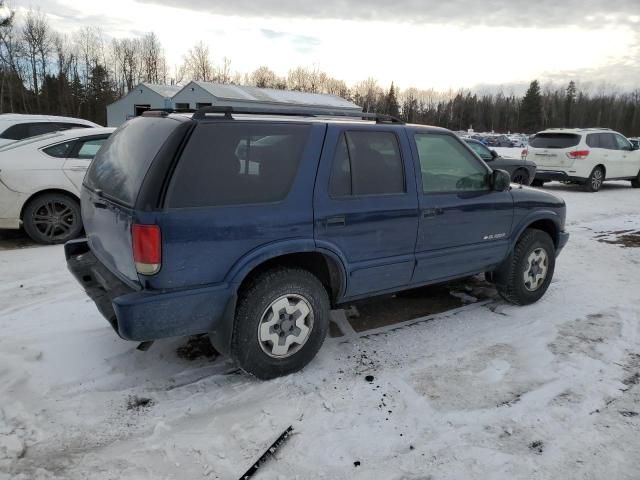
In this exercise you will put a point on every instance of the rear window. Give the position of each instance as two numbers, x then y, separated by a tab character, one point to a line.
121	164
555	140
238	163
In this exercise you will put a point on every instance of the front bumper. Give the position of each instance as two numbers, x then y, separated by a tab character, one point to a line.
145	315
557	175
563	238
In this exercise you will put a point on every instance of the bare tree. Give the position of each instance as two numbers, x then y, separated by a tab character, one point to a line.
151	58
10	52
38	43
198	64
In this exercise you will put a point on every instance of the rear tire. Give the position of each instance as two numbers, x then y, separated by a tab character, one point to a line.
635	183
52	218
521	177
527	273
281	322
537	183
595	180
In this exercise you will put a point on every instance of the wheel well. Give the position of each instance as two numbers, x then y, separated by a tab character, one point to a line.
547	226
323	267
604	169
44	192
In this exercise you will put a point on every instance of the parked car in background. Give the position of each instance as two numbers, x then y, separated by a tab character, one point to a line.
17	126
498	141
40	180
251	227
522	171
586	156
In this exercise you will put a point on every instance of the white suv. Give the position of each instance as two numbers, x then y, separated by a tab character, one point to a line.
587	156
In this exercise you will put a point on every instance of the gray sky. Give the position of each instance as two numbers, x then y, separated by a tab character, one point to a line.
426	44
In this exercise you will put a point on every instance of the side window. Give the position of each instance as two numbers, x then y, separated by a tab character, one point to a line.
89	148
607	141
238	163
60	150
593	140
16	132
481	150
367	163
623	143
41	128
68	126
447	166
340	182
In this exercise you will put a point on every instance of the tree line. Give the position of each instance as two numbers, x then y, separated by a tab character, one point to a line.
79	74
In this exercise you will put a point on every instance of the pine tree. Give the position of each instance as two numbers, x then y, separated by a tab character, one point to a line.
570	100
531	109
391	103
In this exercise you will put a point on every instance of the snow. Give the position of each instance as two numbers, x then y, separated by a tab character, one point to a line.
489	390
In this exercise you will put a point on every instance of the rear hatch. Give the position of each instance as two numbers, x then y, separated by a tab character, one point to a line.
550	149
111	187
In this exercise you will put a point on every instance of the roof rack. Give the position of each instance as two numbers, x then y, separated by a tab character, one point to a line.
228	112
163	112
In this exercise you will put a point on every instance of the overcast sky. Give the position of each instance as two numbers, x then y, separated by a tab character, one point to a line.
437	44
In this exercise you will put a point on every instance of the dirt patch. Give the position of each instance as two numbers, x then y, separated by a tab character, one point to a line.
197	347
537	447
139	404
624	238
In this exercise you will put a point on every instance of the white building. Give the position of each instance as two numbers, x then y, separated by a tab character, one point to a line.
201	94
141	98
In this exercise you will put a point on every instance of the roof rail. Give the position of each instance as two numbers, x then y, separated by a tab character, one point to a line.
163	112
228	112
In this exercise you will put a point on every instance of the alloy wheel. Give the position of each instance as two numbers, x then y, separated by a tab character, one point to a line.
536	269
285	326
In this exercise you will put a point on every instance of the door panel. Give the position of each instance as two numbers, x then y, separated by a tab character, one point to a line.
375	234
75	169
464	226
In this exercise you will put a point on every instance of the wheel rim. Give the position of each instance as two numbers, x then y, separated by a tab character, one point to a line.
536	269
54	219
285	326
596	179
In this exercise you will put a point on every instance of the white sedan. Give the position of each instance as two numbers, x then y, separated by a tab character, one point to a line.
40	180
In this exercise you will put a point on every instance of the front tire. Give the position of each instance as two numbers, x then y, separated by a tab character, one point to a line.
595	180
52	218
527	273
281	322
521	177
537	183
635	183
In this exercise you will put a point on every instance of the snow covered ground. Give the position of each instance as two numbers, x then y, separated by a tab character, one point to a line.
489	390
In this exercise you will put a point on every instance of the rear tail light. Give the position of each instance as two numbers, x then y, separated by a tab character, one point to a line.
147	252
524	153
578	154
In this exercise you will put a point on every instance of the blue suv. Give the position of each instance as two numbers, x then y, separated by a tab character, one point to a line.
250	225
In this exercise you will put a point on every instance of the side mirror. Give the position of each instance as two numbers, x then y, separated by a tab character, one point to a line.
635	146
494	154
500	180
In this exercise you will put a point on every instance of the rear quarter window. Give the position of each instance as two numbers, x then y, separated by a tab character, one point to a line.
555	140
238	163
125	157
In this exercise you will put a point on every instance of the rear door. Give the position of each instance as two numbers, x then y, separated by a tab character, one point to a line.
111	187
629	159
465	227
365	205
610	155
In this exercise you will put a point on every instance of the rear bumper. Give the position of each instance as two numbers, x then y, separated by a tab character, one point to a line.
149	315
558	175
